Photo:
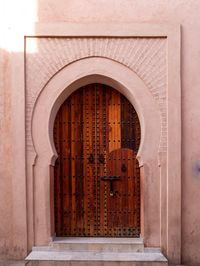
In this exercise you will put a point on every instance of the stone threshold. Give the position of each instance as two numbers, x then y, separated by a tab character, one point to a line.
97	244
96	251
102	240
145	256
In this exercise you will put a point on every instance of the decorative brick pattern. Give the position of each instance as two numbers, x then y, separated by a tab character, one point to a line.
144	56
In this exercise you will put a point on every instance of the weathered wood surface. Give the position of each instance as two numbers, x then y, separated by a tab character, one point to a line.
97	135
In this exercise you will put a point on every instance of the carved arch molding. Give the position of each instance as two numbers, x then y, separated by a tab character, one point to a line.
144	56
150	52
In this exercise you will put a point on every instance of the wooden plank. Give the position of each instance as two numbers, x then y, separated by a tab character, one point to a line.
78	162
101	157
66	178
89	167
98	141
73	166
57	176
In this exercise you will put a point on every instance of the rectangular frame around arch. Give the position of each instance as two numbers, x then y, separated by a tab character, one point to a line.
170	186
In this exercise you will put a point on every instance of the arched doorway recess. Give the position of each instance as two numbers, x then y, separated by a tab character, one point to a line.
96	174
65	82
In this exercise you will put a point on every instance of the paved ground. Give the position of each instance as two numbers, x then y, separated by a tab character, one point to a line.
23	263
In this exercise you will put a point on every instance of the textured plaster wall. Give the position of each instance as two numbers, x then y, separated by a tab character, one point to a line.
5	153
185	12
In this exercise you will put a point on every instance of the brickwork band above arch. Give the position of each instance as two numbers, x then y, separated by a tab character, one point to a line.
145	56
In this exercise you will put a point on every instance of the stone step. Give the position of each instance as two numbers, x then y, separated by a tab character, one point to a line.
97	244
92	258
13	263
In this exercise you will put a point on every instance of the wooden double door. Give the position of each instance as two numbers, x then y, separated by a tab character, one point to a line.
96	177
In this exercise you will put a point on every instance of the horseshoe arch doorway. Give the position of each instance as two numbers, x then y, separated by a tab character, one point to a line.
97	176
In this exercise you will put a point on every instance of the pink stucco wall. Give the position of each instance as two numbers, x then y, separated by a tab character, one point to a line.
12	151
